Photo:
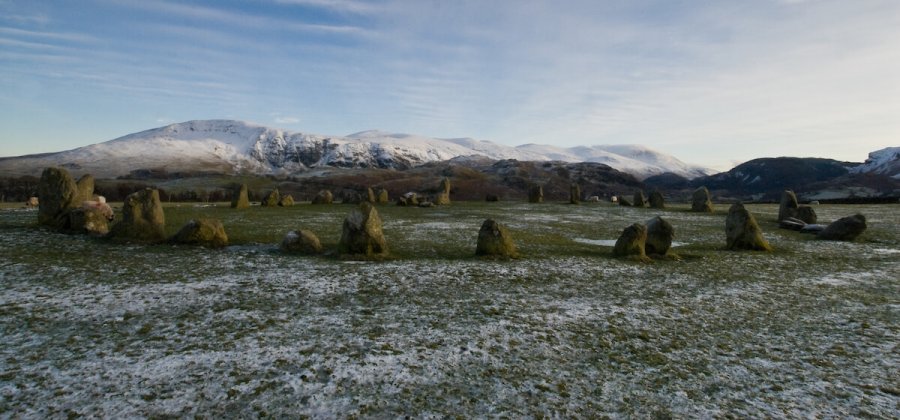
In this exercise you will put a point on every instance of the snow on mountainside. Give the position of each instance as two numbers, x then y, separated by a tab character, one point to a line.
885	162
235	146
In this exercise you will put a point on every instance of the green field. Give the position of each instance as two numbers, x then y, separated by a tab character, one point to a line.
97	328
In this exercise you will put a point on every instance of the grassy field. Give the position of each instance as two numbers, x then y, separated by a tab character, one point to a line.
102	329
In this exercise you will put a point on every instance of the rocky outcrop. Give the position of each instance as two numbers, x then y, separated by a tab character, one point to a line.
536	194
362	234
302	242
660	234
656	200
632	242
240	199
844	229
58	194
494	240
323	197
204	232
143	219
700	201
742	232
271	199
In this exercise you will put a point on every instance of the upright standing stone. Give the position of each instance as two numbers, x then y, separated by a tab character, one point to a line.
204	232
240	200
323	197
700	201
143	219
574	194
443	196
85	189
807	215
632	242
660	234
495	241
656	200
788	206
844	229
370	196
742	232
383	197
362	234
286	201
58	194
272	199
639	199
536	194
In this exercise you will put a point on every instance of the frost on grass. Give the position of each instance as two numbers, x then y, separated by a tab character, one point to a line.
97	329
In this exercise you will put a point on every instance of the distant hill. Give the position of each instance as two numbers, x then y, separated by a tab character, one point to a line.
235	147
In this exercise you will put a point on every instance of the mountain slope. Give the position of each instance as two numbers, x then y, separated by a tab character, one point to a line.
226	146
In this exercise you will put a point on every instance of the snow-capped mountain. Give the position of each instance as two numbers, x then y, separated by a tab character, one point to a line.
884	162
228	146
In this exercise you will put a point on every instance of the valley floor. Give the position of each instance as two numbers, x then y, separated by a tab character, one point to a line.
100	329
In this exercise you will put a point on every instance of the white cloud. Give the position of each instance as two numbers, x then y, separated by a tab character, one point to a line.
286	120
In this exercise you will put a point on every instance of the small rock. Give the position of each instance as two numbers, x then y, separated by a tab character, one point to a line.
301	242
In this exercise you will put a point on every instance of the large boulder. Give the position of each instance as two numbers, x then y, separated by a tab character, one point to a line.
286	201
85	186
362	234
495	241
301	242
271	199
443	196
742	232
656	200
788	206
844	229
700	201
536	194
205	232
660	234
143	219
91	221
574	194
631	242
240	199
58	194
639	199
323	197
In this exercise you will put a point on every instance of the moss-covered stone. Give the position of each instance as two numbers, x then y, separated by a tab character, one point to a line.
660	234
362	233
807	214
85	186
57	194
91	221
656	200
574	194
631	242
271	199
301	241
371	196
323	197
788	205
701	201
742	232
240	199
383	197
494	240
443	196
143	219
286	201
205	232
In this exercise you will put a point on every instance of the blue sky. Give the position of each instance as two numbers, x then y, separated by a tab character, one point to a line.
711	82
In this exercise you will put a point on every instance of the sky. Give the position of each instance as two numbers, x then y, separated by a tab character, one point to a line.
714	83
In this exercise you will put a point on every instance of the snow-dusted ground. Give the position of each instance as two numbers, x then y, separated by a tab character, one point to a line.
811	330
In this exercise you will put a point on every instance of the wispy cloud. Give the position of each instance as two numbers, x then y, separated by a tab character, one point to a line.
74	37
336	5
286	120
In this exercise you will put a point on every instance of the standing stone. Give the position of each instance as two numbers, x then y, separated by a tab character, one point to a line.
495	241
844	229
807	214
205	232
362	234
574	194
632	242
657	201
272	199
286	201
443	197
788	206
536	194
410	199
639	199
370	196
383	197
91	221
323	197
143	219
240	200
700	201
85	189
301	242
58	194
660	234
742	232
